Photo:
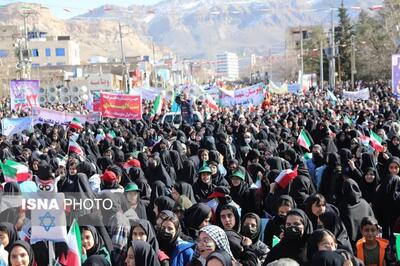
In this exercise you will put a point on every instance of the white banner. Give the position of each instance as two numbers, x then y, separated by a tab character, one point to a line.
253	95
356	95
43	115
11	126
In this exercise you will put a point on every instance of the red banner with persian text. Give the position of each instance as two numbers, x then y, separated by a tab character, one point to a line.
121	106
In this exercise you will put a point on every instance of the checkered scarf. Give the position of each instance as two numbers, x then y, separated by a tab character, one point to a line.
218	236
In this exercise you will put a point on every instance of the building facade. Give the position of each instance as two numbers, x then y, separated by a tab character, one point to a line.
54	51
228	66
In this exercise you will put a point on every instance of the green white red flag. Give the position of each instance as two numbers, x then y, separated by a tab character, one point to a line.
304	141
14	171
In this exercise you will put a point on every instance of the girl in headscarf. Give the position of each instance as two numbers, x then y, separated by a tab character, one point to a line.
293	244
275	225
221	256
211	238
333	223
168	232
21	253
143	230
195	218
137	175
182	189
316	205
251	228
353	209
163	203
188	172
217	178
387	200
141	253
240	192
330	179
320	240
228	217
369	184
156	172
203	186
93	243
8	235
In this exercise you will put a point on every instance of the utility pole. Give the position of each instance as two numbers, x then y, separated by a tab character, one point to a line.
24	54
321	65
286	62
302	58
333	63
125	77
353	62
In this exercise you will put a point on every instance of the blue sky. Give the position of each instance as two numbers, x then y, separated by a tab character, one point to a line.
80	6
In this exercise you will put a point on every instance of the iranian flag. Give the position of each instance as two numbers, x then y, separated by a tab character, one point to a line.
75	148
304	141
74	245
156	107
14	172
76	124
211	103
284	178
376	141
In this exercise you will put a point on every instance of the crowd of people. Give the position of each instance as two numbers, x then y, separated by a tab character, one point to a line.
207	193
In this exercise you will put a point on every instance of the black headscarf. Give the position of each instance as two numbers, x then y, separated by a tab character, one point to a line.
148	228
235	212
164	203
254	236
368	190
96	260
144	254
11	232
333	223
194	216
351	192
28	249
327	258
222	256
185	189
97	239
188	172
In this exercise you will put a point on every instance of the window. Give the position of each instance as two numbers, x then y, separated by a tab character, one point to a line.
35	65
48	52
60	52
3	53
35	52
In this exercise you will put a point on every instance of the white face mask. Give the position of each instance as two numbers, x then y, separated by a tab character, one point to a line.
247	140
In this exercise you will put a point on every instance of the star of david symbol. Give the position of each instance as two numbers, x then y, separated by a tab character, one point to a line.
47	221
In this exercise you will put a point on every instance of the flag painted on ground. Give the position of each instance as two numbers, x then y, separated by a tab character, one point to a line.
376	141
14	172
157	106
74	245
75	148
304	141
284	178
